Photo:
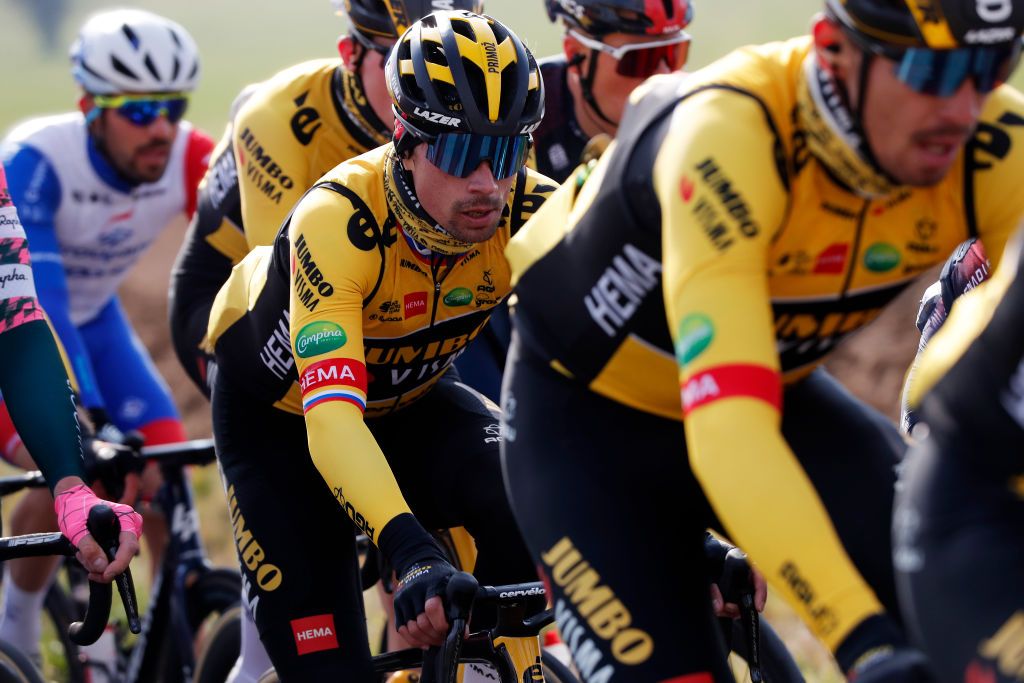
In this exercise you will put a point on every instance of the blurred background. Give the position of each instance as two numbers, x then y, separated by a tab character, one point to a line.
243	41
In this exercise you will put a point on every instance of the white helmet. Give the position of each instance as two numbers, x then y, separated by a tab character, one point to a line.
130	50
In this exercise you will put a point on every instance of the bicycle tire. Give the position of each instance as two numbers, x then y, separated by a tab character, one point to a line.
16	667
215	592
221	648
62	612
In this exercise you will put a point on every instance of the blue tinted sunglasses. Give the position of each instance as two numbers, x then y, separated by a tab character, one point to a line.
459	154
142	110
942	72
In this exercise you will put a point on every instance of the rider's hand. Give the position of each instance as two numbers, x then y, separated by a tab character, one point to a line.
112	468
731	609
964	270
889	664
72	501
419	612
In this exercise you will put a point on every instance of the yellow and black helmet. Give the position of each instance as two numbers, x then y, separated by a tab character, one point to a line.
935	24
390	18
460	72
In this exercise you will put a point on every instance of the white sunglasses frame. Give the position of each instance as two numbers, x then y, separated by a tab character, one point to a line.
619	52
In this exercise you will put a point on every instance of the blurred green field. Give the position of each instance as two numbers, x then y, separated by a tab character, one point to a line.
247	41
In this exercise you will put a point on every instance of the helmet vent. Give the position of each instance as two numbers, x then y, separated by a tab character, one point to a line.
175	38
151	67
176	69
434	54
130	35
122	69
463	28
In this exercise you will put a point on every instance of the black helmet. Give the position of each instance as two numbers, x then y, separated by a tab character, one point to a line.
934	24
643	17
390	18
459	72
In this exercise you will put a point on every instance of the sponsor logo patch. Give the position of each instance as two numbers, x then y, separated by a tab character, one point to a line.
314	634
334	379
460	296
881	257
732	381
415	304
319	337
695	335
832	260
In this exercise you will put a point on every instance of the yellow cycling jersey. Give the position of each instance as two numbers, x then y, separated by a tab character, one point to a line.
284	133
762	231
726	242
346	314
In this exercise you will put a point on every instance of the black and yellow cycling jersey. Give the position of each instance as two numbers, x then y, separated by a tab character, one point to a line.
289	131
559	141
283	134
775	227
719	247
374	318
958	520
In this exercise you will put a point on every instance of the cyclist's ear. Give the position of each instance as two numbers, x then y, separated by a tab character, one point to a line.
347	50
829	44
575	53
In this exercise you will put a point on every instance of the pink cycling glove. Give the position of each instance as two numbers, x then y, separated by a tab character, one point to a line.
73	508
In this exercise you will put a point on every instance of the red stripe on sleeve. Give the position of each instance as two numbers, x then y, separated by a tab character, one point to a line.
729	381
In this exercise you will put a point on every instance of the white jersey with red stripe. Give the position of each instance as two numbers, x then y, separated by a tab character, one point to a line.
101	229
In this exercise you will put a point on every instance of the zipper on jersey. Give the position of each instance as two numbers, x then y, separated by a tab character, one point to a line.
855	248
435	264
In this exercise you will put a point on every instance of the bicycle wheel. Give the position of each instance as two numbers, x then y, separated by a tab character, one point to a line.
221	647
554	670
16	667
62	659
215	592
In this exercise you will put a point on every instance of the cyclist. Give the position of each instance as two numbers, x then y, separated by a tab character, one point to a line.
376	311
94	188
283	134
801	186
609	48
42	403
959	511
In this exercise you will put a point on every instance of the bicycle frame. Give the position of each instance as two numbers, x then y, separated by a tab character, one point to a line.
184	557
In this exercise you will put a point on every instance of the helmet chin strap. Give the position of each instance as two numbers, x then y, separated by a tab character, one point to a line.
586	83
858	113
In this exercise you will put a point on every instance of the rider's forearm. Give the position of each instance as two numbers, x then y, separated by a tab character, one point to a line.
40	401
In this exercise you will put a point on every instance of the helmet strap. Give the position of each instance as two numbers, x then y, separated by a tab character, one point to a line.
586	86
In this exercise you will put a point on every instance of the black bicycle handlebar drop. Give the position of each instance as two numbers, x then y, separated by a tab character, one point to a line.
105	530
459	596
737	587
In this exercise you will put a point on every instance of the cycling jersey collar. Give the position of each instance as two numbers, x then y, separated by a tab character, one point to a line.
354	107
835	136
413	219
105	169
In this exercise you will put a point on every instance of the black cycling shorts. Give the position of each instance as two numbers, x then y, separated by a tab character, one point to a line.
959	531
296	544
